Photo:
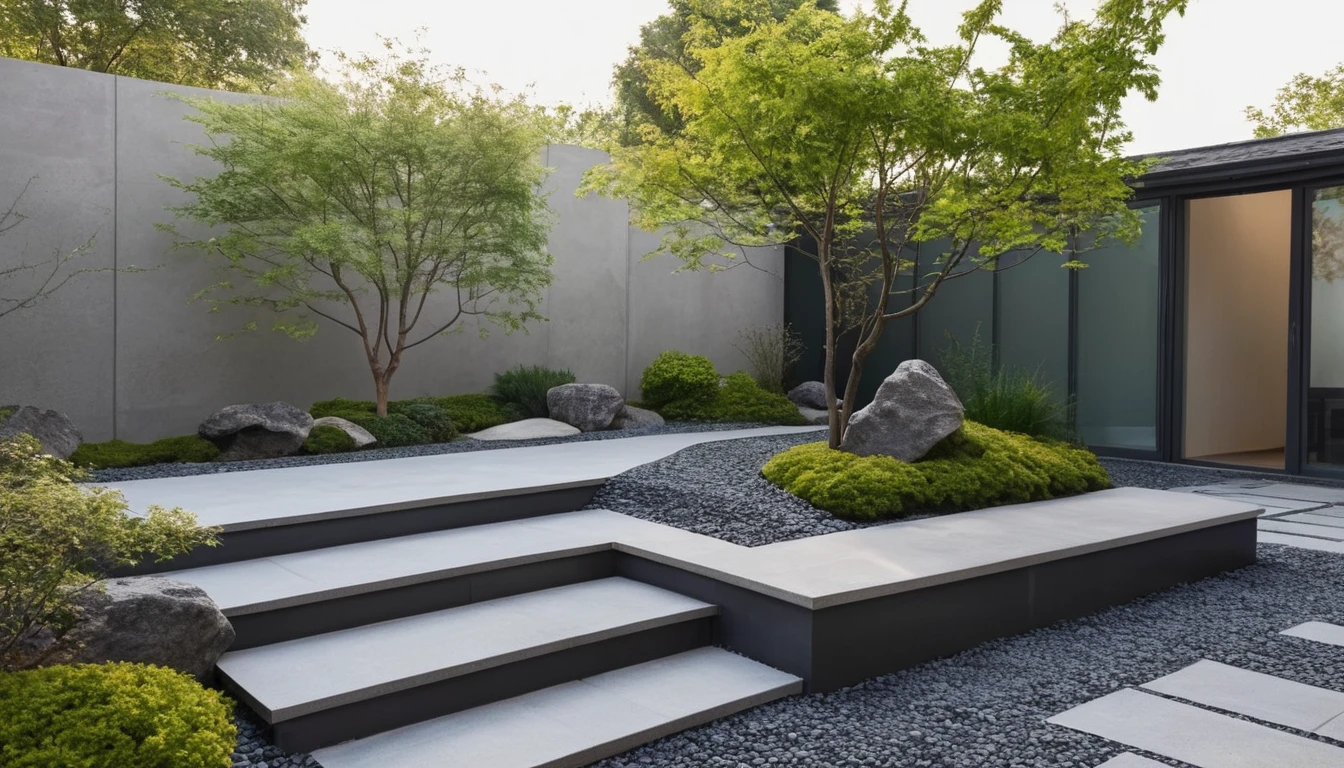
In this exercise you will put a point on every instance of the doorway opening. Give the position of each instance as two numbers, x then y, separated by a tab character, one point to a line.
1238	256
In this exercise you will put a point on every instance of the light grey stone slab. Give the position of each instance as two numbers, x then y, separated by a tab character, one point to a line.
527	429
1272	505
1302	542
1131	760
1336	512
1194	735
1263	697
1310	518
577	723
1319	631
298	677
1297	492
1301	529
270	497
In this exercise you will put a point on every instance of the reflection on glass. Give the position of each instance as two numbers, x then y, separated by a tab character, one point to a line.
1325	393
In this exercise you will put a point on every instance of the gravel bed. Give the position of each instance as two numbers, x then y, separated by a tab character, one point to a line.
987	706
254	751
376	454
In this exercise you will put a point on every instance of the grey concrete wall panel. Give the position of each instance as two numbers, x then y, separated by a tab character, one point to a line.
57	128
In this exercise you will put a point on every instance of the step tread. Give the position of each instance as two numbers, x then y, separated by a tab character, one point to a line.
579	722
310	674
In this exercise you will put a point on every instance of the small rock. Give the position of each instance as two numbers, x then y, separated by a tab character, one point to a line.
630	417
54	430
590	407
809	394
527	429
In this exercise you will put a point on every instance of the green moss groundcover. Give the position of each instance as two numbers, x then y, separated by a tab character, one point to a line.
118	454
976	468
682	387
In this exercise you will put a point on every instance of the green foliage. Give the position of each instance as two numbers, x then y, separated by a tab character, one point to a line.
328	439
391	431
771	351
678	377
105	715
25	284
117	454
739	400
359	199
6	411
231	44
341	407
473	413
435	421
525	386
1011	398
1306	103
981	467
58	538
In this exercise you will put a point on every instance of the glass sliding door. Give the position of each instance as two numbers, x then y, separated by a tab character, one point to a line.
1325	375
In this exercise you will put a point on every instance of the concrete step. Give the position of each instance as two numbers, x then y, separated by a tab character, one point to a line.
319	690
578	722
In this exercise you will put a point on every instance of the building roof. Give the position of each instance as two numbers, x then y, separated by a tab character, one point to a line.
1242	159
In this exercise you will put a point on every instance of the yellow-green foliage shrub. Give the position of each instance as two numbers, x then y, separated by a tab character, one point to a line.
976	468
112	716
678	377
739	400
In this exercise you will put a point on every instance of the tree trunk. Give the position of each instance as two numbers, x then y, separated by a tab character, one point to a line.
828	376
380	385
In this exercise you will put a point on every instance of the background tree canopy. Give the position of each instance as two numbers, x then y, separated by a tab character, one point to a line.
225	44
1306	103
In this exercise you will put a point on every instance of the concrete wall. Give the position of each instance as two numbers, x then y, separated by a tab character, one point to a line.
126	356
1237	324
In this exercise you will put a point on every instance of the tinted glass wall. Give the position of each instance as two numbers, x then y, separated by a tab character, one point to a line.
1033	311
1118	339
1325	391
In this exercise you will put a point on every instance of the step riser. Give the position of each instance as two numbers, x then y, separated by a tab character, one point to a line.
330	615
384	713
256	543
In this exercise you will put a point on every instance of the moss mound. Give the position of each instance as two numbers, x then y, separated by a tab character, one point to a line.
740	399
977	467
119	454
473	413
112	715
327	439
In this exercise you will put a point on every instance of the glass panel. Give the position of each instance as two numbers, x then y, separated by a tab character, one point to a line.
962	308
1034	317
1118	341
1325	392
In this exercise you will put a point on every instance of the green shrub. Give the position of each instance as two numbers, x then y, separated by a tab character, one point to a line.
58	538
739	400
473	413
525	386
110	716
7	410
1011	398
976	468
327	439
341	407
678	377
771	352
116	454
436	422
391	431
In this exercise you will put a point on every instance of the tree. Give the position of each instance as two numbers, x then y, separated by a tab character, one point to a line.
231	44
1306	103
665	39
397	194
821	126
43	278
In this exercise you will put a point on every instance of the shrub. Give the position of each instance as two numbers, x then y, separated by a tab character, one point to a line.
1010	398
121	714
678	377
391	431
976	468
7	410
473	413
739	400
327	439
341	407
188	449
436	422
526	387
771	352
58	538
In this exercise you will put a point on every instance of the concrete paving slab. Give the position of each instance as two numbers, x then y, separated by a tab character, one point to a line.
298	677
1297	492
1302	542
1301	529
1263	697
1273	506
576	723
1309	518
1196	736
1319	631
268	497
1131	760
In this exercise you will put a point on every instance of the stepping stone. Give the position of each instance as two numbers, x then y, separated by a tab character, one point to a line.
1193	735
1332	634
1263	697
1302	542
1300	529
580	722
1131	760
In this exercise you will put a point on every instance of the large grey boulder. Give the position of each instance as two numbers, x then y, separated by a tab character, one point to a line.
590	407
809	394
913	411
527	429
630	417
54	430
149	620
257	431
363	438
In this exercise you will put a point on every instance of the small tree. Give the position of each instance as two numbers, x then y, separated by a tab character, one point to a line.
1306	103
24	284
394	204
822	126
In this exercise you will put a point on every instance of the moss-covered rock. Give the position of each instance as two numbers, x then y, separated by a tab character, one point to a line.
976	467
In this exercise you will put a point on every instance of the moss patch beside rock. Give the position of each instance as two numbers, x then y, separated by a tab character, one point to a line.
977	467
119	454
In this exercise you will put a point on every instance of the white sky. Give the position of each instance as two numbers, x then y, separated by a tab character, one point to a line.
1222	56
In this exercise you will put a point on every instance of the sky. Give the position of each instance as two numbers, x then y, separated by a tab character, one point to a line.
1221	57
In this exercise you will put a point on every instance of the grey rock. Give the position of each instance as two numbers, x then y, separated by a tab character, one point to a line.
149	620
914	409
630	417
815	415
590	407
362	437
809	394
527	429
257	431
53	430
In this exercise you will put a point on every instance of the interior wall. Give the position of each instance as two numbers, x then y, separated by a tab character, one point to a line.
1236	394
